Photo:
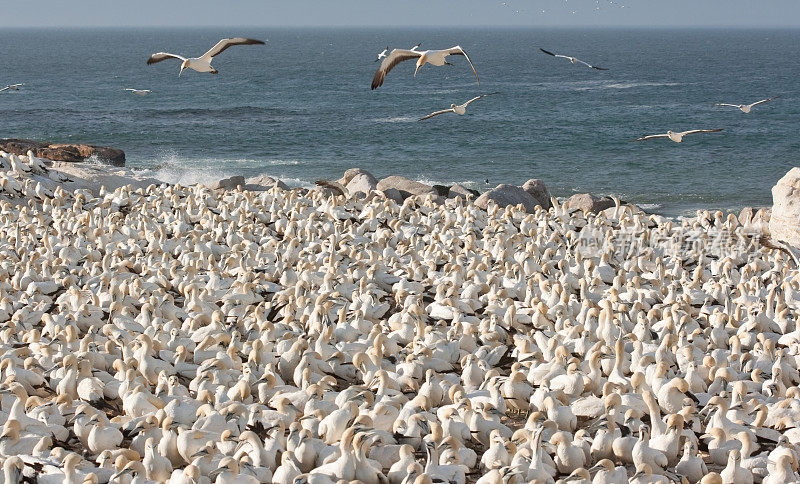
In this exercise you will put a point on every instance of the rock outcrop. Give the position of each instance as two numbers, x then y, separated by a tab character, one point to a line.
230	183
461	191
407	187
784	223
63	152
352	173
538	190
362	183
589	203
505	195
264	182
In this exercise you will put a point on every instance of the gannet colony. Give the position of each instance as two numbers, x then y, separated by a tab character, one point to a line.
190	335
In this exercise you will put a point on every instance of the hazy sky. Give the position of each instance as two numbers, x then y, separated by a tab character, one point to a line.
103	13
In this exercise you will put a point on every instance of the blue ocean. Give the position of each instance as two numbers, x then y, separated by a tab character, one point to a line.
301	109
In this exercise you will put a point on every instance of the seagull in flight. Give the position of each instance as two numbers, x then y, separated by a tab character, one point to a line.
139	92
433	57
203	63
747	107
574	60
12	87
459	109
677	137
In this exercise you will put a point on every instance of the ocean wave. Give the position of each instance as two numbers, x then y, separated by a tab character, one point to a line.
284	162
630	85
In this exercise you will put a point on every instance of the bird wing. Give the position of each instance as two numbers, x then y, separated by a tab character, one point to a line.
161	56
436	114
731	105
700	131
478	97
764	100
548	52
652	136
395	57
458	50
225	43
5	88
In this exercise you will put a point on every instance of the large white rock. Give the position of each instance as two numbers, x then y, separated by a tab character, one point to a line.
407	187
362	182
784	223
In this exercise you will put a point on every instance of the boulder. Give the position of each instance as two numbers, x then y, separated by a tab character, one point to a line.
505	195
264	182
538	190
352	172
230	183
63	152
361	183
407	187
589	203
784	223
393	194
442	190
461	191
92	177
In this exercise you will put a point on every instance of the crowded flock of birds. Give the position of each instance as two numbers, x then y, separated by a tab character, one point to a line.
189	335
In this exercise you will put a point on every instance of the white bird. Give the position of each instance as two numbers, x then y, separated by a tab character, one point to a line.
433	57
12	87
139	92
574	60
459	109
677	137
203	63
382	54
747	107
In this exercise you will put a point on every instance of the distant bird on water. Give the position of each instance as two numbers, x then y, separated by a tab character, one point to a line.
677	137
203	63
433	57
139	92
459	109
574	60
12	87
745	108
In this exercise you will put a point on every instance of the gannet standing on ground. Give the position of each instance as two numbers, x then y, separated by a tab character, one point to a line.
139	92
12	87
203	63
459	109
677	137
433	57
574	60
745	108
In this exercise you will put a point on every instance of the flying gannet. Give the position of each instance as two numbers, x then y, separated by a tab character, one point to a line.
203	63
677	137
12	87
459	109
433	57
747	107
574	60
139	92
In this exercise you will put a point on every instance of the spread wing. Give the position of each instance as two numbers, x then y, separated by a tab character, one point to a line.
764	100
547	52
731	105
478	97
161	56
395	57
5	88
652	136
457	50
701	131
436	114
223	44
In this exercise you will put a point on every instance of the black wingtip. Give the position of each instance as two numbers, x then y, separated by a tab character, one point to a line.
547	52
